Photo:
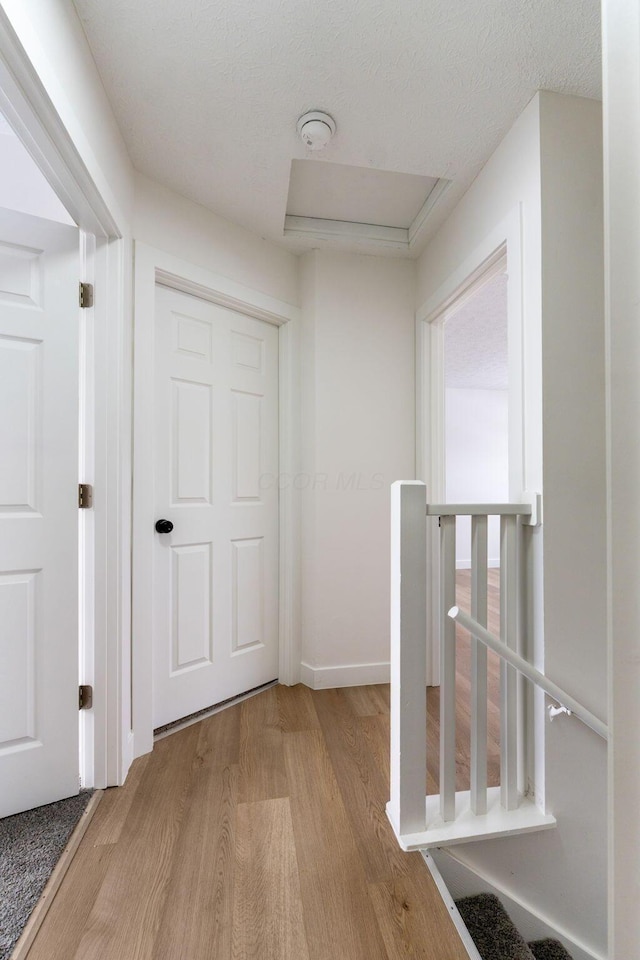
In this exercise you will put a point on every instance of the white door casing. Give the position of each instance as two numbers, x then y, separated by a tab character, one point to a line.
152	267
39	372
215	589
62	155
505	239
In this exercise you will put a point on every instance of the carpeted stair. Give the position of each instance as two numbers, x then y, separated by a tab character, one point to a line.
496	937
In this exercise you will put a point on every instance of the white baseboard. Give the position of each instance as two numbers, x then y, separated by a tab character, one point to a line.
464	881
466	564
348	675
126	759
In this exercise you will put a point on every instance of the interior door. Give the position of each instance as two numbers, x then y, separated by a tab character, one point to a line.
215	578
39	272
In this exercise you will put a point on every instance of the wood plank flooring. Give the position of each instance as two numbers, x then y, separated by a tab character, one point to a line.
257	834
261	834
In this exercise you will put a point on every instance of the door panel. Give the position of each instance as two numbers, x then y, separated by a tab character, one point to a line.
216	438
39	270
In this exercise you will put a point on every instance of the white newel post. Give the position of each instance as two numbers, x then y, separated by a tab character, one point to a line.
408	657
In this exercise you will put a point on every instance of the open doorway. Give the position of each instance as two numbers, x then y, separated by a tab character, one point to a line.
476	420
471	397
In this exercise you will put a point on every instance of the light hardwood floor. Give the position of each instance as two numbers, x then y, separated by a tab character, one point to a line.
261	834
258	833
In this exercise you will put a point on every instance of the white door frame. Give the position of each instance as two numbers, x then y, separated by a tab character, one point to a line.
27	106
152	267
504	241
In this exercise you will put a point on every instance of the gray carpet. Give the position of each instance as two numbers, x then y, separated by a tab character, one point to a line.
496	937
549	950
30	846
491	929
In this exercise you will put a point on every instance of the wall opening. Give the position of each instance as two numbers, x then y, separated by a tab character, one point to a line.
476	421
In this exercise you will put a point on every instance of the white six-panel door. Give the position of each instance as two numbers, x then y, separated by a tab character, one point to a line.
215	578
39	272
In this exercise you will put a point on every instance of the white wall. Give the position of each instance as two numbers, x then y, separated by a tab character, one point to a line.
358	428
574	396
621	91
549	166
476	460
165	220
22	185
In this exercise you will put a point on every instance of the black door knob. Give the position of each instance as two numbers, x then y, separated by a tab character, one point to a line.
164	526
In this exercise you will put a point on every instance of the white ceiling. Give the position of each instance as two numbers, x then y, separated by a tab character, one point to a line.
207	94
475	339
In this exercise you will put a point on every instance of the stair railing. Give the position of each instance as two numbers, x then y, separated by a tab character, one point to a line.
481	812
568	704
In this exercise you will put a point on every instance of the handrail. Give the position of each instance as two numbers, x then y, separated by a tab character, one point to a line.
479	509
527	670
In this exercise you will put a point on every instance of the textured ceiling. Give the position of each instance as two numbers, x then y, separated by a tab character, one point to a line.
207	94
475	339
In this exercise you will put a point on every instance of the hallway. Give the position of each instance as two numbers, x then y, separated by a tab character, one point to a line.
257	833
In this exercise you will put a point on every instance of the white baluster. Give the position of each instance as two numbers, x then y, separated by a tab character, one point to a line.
509	626
448	670
479	667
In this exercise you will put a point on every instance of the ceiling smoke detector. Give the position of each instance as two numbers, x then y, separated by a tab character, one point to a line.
316	129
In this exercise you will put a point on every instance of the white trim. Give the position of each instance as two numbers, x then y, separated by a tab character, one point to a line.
290	518
108	467
344	675
496	822
404	238
154	266
28	108
464	880
346	230
430	469
114	342
199	282
421	218
86	519
502	245
487	260
449	903
478	510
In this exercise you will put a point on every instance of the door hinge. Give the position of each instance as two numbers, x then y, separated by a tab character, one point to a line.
86	294
85	697
85	496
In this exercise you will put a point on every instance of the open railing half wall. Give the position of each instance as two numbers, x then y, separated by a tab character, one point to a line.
481	812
